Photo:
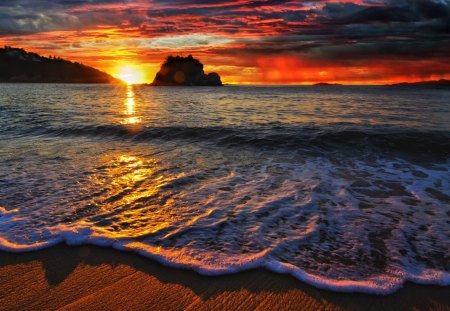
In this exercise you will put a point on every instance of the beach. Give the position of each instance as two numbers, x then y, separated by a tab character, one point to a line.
95	278
224	155
351	196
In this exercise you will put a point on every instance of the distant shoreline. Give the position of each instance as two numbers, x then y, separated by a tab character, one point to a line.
425	84
440	83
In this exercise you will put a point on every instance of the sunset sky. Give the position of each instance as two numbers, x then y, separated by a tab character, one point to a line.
261	41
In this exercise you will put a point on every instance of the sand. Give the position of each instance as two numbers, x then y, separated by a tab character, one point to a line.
95	278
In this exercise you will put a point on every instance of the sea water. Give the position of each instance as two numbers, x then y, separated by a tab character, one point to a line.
343	187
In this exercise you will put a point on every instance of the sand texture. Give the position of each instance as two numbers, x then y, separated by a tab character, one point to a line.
94	278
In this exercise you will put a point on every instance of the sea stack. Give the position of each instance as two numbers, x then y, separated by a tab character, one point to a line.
184	71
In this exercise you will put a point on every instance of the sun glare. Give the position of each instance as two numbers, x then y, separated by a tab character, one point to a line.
131	74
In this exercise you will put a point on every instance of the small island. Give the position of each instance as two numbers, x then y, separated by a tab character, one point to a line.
327	84
18	65
184	71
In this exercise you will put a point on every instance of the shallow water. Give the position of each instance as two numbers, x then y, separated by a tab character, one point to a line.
346	188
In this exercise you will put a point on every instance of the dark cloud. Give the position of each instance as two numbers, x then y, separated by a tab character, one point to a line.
236	16
409	12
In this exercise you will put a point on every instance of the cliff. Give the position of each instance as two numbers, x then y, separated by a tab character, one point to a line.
17	65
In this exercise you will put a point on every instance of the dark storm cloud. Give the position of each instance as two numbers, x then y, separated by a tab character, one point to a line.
34	16
411	11
51	4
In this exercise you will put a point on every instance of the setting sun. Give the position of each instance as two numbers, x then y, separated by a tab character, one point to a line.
130	74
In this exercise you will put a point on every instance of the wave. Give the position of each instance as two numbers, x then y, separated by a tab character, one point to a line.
359	225
308	138
383	284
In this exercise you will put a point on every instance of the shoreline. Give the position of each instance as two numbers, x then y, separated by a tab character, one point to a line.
93	277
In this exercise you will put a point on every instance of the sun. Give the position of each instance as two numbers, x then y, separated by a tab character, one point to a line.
131	74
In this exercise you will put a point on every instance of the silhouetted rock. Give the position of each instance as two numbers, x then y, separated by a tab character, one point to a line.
17	65
439	83
178	70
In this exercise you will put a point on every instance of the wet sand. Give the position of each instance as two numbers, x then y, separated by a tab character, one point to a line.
95	278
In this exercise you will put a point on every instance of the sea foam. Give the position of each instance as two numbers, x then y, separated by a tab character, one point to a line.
346	190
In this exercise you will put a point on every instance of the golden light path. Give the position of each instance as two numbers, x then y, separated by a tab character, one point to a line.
130	104
130	180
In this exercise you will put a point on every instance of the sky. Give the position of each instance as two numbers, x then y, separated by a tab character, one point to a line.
245	41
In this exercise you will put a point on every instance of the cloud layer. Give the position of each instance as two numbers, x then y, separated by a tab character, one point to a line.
255	41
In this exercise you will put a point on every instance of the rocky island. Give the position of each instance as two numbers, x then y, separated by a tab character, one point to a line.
17	65
327	84
184	71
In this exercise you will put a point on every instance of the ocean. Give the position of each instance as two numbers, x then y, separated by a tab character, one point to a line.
344	187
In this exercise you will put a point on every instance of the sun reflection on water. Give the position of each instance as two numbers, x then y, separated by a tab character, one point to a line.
126	191
130	104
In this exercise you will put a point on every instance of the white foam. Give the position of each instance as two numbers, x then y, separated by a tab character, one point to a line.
307	223
380	285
